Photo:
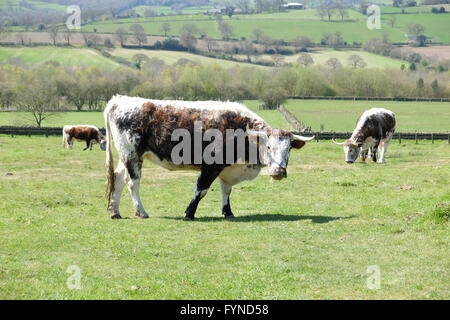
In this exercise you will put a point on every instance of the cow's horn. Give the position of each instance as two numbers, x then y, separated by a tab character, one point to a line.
301	138
338	143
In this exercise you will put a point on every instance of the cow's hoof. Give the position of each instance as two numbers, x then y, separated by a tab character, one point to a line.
116	216
142	215
188	218
229	216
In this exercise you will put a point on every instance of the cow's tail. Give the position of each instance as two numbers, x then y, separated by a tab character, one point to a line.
110	177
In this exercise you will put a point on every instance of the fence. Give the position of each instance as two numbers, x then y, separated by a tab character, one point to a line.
33	131
371	98
293	121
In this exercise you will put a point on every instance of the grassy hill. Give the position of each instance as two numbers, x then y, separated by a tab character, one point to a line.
372	60
65	56
32	4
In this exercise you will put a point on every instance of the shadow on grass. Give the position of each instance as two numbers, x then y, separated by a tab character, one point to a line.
267	217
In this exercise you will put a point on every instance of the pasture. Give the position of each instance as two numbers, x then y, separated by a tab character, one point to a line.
342	115
65	56
289	24
310	236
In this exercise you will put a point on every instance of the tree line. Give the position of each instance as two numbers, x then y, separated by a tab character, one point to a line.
44	89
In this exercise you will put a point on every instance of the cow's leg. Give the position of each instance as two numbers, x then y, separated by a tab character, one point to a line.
363	154
374	152
133	178
91	144
87	145
226	191
383	149
119	183
69	143
207	175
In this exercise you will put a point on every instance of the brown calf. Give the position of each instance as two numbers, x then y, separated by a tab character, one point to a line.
89	134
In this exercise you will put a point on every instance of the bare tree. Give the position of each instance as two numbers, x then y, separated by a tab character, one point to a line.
278	59
356	61
333	63
305	59
257	34
392	20
165	28
188	40
139	34
211	44
21	39
38	96
226	30
302	42
121	36
67	34
342	10
247	47
53	33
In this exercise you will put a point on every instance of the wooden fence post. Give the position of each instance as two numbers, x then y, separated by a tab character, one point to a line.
415	137
399	138
432	138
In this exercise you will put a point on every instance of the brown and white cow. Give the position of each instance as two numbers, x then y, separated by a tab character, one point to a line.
89	134
374	131
144	128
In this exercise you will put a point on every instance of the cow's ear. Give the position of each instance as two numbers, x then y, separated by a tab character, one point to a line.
297	144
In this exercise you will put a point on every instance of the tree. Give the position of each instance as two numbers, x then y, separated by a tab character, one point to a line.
257	34
226	30
435	86
333	63
273	98
67	34
244	5
412	67
356	61
302	42
247	48
342	10
121	36
420	83
392	20
321	12
53	33
415	29
211	44
305	59
188	40
38	95
138	33
165	27
138	59
21	39
277	59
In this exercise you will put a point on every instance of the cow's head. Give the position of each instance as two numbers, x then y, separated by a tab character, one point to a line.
102	144
279	143
351	149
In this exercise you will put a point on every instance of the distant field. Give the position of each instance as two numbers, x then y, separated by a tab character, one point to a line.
65	56
171	57
165	10
285	25
32	3
342	115
372	60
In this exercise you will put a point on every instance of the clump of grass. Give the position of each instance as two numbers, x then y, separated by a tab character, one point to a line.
441	212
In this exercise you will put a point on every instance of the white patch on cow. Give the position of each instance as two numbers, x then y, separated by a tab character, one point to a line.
236	173
169	165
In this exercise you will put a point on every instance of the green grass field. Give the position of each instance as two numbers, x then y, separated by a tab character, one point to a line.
4	4
342	115
171	57
65	56
286	25
372	60
311	236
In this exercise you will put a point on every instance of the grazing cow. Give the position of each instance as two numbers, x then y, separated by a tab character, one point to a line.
90	134
374	130
144	128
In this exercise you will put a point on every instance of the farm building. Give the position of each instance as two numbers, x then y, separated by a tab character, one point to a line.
293	6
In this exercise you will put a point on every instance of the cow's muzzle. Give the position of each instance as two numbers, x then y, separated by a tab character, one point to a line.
278	174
